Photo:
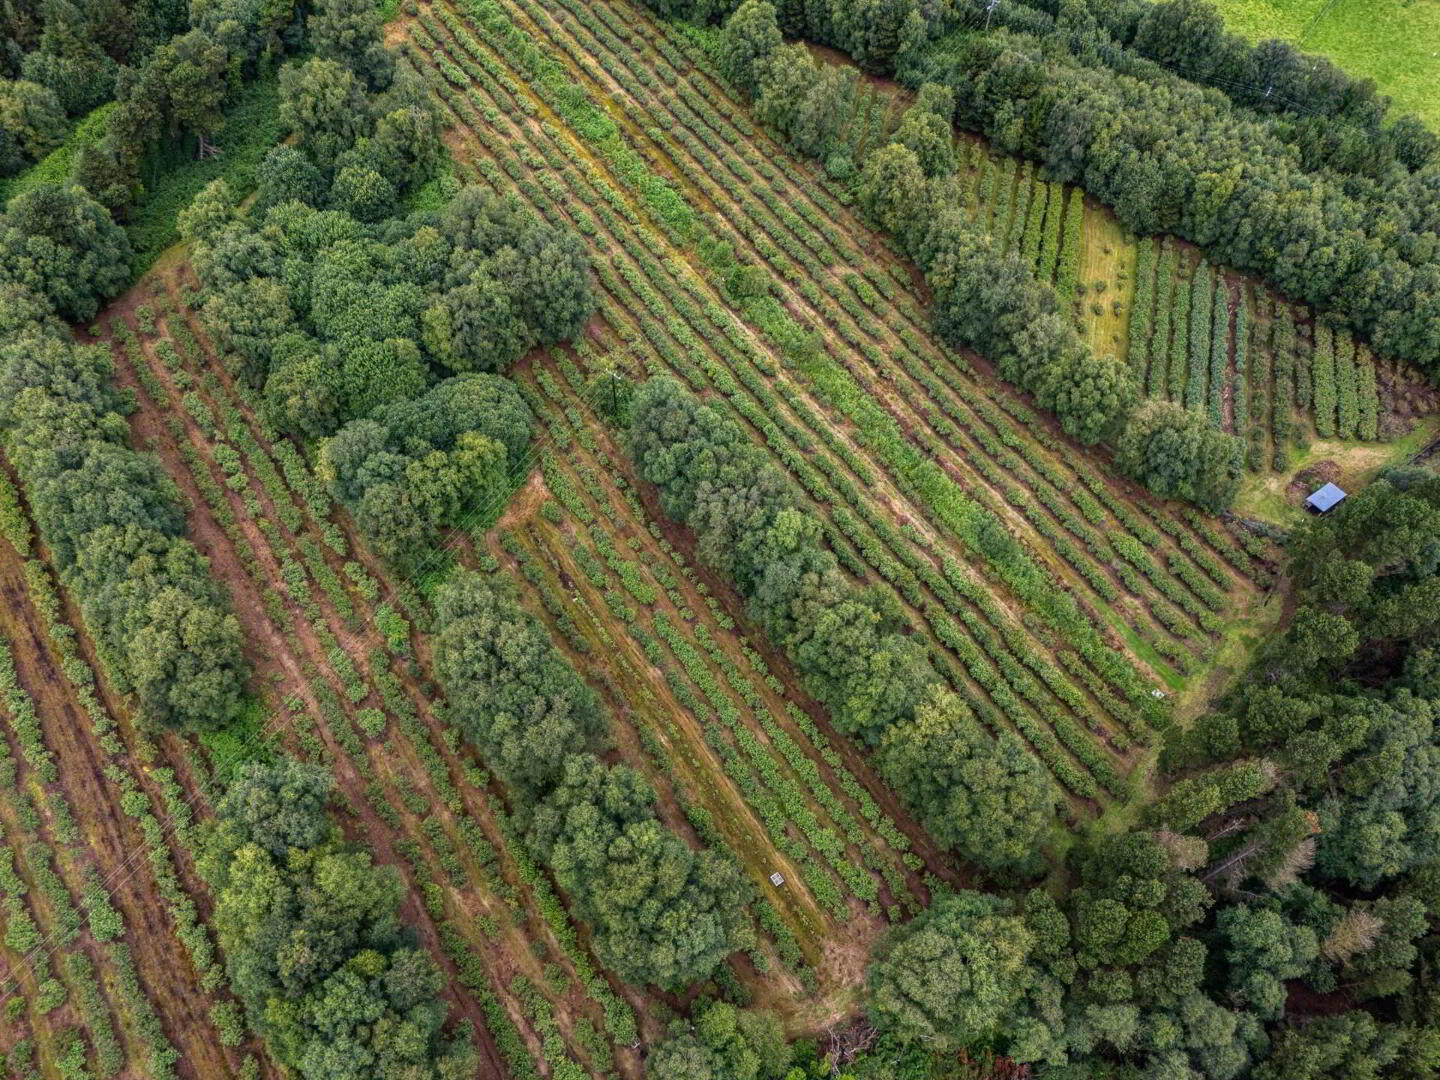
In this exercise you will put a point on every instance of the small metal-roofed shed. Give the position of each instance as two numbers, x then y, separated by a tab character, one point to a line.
1325	498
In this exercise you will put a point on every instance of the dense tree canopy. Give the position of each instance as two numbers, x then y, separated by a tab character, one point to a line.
61	244
987	796
417	465
952	975
721	1042
514	695
114	522
313	942
844	640
1176	453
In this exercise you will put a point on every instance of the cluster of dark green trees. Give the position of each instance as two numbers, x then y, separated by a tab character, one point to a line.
59	59
113	520
1277	917
1336	121
1298	175
984	298
658	911
418	464
384	329
171	70
313	942
985	795
111	517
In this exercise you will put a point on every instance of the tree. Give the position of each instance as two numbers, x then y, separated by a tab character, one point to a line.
547	272
1177	454
476	327
722	1043
925	130
417	465
276	807
284	175
312	938
247	320
951	975
986	796
1351	1046
405	148
349	32
324	105
892	192
1092	395
661	913
61	244
31	115
751	35
363	193
1264	949
871	31
209	213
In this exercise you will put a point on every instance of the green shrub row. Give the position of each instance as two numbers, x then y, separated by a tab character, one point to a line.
1322	375
1067	277
1202	303
1142	309
1219	366
1167	283
1285	377
1347	388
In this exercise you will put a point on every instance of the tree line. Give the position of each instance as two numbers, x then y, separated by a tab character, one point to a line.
170	71
60	59
983	794
1169	159
1336	121
111	516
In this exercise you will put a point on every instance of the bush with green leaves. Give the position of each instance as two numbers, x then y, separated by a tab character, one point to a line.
313	941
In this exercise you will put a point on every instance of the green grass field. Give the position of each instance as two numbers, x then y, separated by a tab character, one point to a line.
1394	42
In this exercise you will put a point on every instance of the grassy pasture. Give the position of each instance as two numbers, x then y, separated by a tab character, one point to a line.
1394	42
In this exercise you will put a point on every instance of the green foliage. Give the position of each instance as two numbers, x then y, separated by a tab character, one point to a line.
1142	309
1177	454
1067	277
986	796
751	528
313	943
1322	372
114	523
515	697
62	245
952	976
721	1043
422	464
658	911
1202	301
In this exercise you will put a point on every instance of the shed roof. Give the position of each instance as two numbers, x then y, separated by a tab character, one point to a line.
1325	498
